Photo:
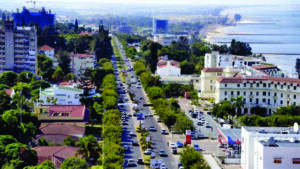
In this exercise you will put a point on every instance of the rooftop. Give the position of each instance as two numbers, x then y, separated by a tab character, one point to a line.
212	70
83	55
260	79
272	130
46	47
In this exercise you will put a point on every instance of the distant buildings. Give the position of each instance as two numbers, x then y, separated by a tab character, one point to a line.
30	16
168	68
160	26
270	147
81	62
61	95
48	51
18	48
124	28
167	39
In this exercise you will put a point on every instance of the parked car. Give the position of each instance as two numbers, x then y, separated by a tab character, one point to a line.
196	146
163	166
173	146
164	132
162	153
179	165
179	144
207	125
132	134
124	123
158	120
174	151
200	123
131	163
140	161
135	143
126	148
148	152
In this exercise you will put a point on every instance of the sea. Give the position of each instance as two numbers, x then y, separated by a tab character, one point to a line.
272	30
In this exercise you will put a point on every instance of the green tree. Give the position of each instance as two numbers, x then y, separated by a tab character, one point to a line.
187	67
103	48
155	93
58	74
25	77
74	162
240	48
192	159
39	84
5	102
9	78
76	26
238	103
89	148
69	141
183	123
44	165
70	76
64	61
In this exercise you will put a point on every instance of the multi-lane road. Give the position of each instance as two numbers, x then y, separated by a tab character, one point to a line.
160	142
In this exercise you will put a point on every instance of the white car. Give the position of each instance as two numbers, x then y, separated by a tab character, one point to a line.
173	146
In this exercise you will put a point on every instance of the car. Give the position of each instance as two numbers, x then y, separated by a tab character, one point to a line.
179	165
135	143
139	161
200	123
196	146
162	153
124	123
152	128
173	146
148	151
126	148
174	151
132	134
207	125
193	133
141	98
163	166
179	144
164	132
130	163
135	114
150	114
158	120
209	112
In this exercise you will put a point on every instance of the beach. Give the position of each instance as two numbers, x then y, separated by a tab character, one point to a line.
215	31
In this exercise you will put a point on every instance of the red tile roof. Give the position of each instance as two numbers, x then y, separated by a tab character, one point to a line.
213	70
62	129
74	110
49	152
82	55
56	139
164	63
85	33
46	47
265	78
262	67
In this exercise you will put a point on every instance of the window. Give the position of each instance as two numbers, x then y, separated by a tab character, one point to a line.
225	93
275	101
238	93
257	84
257	93
245	84
211	81
295	87
264	85
251	93
264	100
244	93
295	96
251	85
296	160
275	85
257	101
281	95
225	99
269	93
225	85
250	100
269	85
244	100
281	87
277	160
238	85
275	94
211	87
281	102
231	92
264	93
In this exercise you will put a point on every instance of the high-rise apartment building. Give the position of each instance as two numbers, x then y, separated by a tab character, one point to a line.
18	48
160	26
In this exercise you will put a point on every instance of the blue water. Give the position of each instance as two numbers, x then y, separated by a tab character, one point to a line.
276	29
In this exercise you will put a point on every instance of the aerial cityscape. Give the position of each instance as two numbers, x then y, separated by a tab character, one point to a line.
149	84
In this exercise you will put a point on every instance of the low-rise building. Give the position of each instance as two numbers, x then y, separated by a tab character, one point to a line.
63	95
270	147
81	62
55	154
62	113
167	39
208	80
168	68
48	51
269	70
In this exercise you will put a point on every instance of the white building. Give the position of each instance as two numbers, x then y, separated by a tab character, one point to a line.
81	62
270	148
48	51
215	59
168	68
64	95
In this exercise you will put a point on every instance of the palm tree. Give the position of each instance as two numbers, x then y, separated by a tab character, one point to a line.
89	148
238	103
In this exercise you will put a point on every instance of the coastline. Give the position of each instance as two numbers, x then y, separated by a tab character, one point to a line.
215	31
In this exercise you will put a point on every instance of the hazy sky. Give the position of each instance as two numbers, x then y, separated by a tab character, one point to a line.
218	2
